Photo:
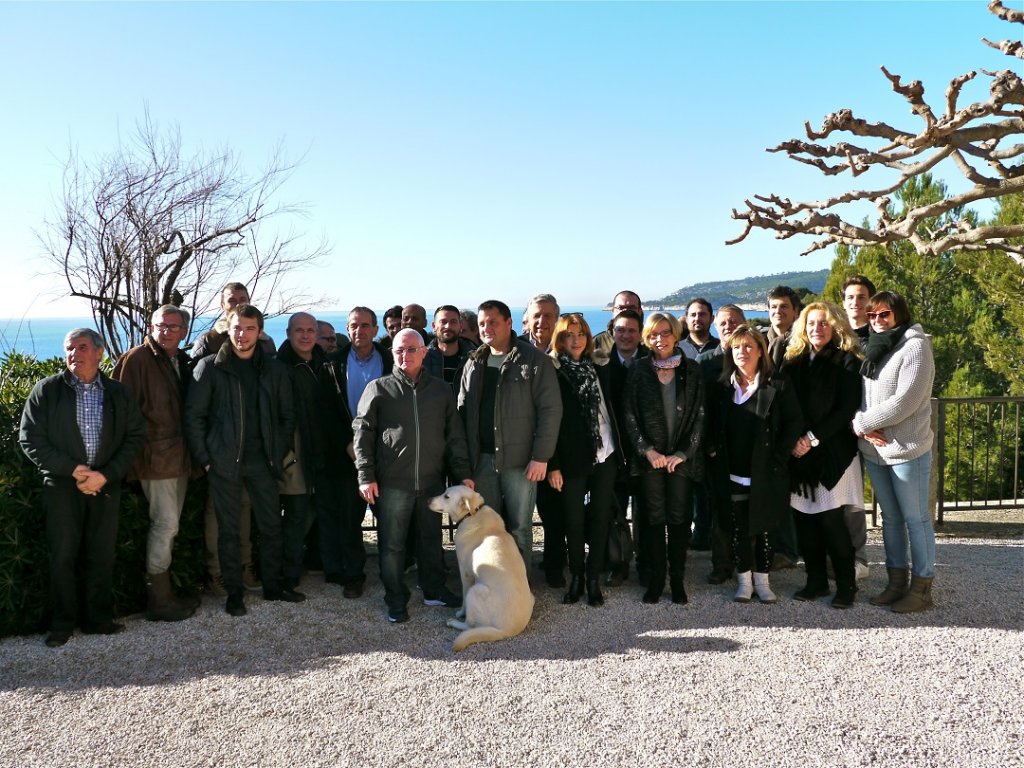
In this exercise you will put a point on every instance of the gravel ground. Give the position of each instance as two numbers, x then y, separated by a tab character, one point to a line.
714	683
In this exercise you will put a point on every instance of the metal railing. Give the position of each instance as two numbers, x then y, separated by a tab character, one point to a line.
977	454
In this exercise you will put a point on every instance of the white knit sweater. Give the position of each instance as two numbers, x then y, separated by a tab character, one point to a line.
898	401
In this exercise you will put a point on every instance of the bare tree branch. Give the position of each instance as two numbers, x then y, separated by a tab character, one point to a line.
970	137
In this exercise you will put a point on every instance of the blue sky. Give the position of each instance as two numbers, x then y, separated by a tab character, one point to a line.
460	151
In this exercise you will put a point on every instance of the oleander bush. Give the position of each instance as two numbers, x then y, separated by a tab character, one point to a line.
24	576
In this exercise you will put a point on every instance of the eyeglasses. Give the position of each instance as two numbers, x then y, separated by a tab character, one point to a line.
666	334
880	315
405	350
165	327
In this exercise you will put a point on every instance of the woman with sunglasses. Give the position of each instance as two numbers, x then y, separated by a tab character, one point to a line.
586	459
823	363
664	414
894	426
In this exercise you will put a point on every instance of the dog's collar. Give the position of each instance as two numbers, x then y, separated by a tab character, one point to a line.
467	516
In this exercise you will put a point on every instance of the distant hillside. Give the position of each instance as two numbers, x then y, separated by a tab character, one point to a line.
746	291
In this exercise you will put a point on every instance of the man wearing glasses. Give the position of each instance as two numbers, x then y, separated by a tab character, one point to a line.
408	439
156	373
623	300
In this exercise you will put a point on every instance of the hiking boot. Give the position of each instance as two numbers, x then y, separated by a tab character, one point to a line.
918	598
895	589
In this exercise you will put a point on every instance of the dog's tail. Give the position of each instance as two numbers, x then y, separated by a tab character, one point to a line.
472	635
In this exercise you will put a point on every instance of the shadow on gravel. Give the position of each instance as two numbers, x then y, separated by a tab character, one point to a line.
977	585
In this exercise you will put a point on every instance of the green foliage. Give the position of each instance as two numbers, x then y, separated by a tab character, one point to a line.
748	290
24	574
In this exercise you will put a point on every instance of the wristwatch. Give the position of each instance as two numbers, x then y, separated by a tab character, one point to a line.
815	442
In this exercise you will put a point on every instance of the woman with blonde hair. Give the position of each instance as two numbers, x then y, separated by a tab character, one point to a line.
664	414
755	422
823	364
586	458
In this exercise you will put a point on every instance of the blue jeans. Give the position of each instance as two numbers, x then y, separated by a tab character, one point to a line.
395	511
902	491
513	497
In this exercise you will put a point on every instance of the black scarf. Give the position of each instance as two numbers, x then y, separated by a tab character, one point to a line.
879	345
583	379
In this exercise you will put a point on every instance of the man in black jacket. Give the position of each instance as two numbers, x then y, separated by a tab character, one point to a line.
83	431
408	437
239	422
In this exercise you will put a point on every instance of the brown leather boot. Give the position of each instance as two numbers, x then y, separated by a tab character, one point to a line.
919	598
161	605
896	588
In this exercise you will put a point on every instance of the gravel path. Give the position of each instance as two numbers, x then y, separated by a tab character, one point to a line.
331	683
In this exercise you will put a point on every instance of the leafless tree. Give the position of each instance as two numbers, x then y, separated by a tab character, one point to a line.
146	226
982	140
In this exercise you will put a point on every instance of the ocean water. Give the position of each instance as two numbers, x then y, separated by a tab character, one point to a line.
44	337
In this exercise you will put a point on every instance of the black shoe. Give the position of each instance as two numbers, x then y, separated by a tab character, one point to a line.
615	578
445	598
594	596
810	592
103	628
574	592
719	577
353	590
235	605
333	578
285	595
651	596
679	596
398	616
56	639
843	598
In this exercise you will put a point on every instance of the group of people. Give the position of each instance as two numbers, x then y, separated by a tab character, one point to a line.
750	443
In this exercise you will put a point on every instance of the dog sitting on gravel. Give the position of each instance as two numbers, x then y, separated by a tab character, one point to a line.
496	598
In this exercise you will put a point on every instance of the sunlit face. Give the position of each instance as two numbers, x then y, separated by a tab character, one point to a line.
855	301
540	322
362	330
495	330
882	318
409	352
781	314
574	341
231	298
626	333
83	358
819	331
302	334
168	331
447	326
414	316
661	341
244	333
726	323
625	300
326	337
746	354
698	320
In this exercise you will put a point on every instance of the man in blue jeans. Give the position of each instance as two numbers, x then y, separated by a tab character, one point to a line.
512	408
407	438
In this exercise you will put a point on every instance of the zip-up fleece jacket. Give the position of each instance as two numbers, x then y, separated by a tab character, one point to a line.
215	414
527	410
408	435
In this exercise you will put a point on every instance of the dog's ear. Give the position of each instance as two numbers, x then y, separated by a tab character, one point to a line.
475	501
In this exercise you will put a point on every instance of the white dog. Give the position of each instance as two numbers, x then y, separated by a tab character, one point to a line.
497	602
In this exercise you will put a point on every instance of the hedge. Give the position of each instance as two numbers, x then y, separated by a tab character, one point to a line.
24	571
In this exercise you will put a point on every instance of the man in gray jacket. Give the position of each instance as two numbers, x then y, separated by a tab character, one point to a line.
512	408
407	438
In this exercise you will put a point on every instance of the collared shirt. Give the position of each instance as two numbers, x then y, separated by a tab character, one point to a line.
89	414
627	362
360	373
691	349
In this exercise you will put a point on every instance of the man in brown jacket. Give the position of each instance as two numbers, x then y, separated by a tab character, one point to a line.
156	373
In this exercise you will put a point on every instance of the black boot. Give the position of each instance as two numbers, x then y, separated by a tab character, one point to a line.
594	596
677	562
575	590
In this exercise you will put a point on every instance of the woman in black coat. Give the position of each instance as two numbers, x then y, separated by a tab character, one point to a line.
664	414
586	458
823	363
755	424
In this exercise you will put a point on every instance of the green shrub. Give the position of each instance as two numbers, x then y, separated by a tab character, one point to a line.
24	566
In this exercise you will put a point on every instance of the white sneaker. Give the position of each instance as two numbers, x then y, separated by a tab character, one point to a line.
860	571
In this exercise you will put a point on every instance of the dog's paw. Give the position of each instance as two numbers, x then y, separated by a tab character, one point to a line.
461	612
456	624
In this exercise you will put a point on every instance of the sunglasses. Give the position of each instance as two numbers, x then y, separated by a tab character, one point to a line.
880	315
